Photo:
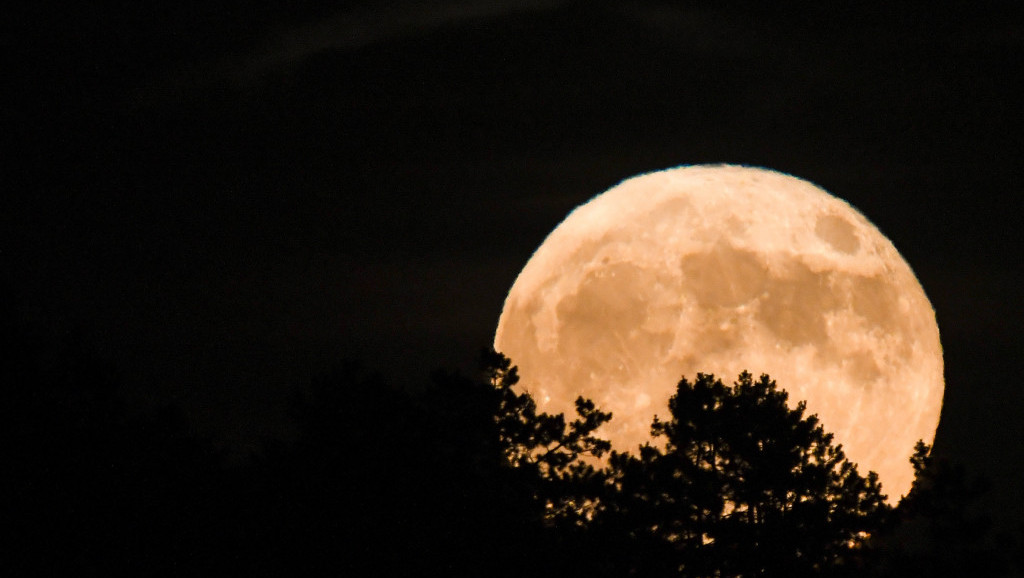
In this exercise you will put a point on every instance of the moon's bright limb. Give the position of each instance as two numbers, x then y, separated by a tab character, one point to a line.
717	269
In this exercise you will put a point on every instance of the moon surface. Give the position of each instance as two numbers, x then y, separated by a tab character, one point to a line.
717	269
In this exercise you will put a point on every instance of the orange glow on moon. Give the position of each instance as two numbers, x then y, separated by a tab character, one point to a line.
717	269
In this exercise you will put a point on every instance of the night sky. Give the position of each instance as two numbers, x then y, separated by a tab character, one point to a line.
227	198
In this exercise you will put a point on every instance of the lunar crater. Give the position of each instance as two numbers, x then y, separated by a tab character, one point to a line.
838	233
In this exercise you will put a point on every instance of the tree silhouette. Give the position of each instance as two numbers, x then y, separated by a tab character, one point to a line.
940	530
544	448
464	476
741	485
91	487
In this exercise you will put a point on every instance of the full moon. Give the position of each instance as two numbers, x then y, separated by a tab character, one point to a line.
717	269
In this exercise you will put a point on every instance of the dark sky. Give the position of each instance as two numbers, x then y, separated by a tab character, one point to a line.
225	198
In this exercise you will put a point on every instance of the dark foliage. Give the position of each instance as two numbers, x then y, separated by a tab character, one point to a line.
463	477
91	488
739	485
940	530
